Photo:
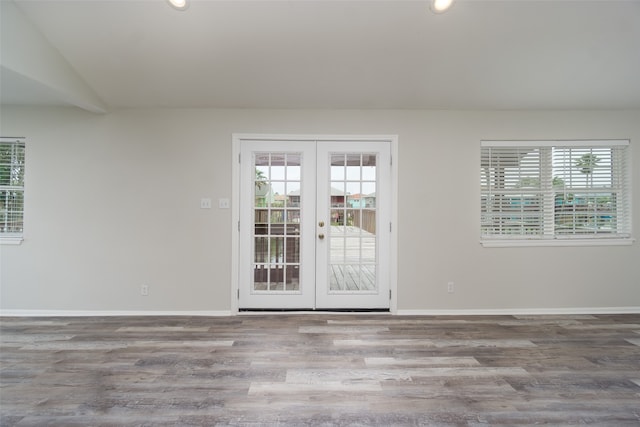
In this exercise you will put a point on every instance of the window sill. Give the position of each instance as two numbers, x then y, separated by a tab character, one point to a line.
555	242
14	240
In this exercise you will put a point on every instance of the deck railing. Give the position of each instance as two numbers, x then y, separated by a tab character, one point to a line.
368	221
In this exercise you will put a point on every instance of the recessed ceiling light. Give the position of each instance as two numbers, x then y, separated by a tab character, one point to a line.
439	6
179	4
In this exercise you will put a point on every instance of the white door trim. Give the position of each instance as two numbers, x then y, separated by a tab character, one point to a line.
237	138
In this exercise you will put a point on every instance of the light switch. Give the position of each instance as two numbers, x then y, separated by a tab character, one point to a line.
205	203
224	203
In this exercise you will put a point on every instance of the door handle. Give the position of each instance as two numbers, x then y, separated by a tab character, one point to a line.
320	236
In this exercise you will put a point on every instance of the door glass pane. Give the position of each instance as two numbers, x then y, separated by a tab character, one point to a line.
276	249
277	216
293	169
337	194
338	164
293	277
292	199
368	249
354	165
278	162
276	242
352	277
336	278
293	219
293	250
336	253
276	278
261	249
352	237
337	220
278	190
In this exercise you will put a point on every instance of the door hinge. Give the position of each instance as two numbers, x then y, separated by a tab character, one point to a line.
239	158
238	293
390	227
390	160
238	225
389	293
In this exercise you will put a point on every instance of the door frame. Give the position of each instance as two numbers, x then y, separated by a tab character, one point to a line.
237	139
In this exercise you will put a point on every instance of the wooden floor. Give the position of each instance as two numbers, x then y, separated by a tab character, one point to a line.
321	369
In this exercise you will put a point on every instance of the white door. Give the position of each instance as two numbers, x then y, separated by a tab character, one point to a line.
314	224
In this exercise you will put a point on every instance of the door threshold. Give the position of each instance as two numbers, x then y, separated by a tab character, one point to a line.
313	311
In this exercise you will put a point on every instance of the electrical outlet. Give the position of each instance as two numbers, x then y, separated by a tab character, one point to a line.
224	203
144	290
450	287
205	203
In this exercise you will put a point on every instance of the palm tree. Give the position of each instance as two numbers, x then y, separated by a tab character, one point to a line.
587	163
261	180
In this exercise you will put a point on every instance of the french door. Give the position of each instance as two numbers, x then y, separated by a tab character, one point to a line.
314	224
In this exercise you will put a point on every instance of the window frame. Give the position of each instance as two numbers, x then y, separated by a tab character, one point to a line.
543	195
13	237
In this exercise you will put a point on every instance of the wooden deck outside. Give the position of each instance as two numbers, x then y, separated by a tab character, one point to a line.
352	265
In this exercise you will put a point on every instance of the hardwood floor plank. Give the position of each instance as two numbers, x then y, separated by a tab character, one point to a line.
425	361
354	330
599	326
436	343
293	387
634	341
150	329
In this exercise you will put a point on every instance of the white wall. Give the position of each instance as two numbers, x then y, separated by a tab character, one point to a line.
113	202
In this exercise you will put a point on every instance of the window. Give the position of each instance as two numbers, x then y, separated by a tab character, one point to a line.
559	191
12	154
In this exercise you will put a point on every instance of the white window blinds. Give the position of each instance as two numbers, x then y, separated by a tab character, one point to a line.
12	164
555	189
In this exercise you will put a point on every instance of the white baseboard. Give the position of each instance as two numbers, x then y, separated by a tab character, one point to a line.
97	313
521	311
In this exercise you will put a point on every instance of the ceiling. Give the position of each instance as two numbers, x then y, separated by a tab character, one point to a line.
481	54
